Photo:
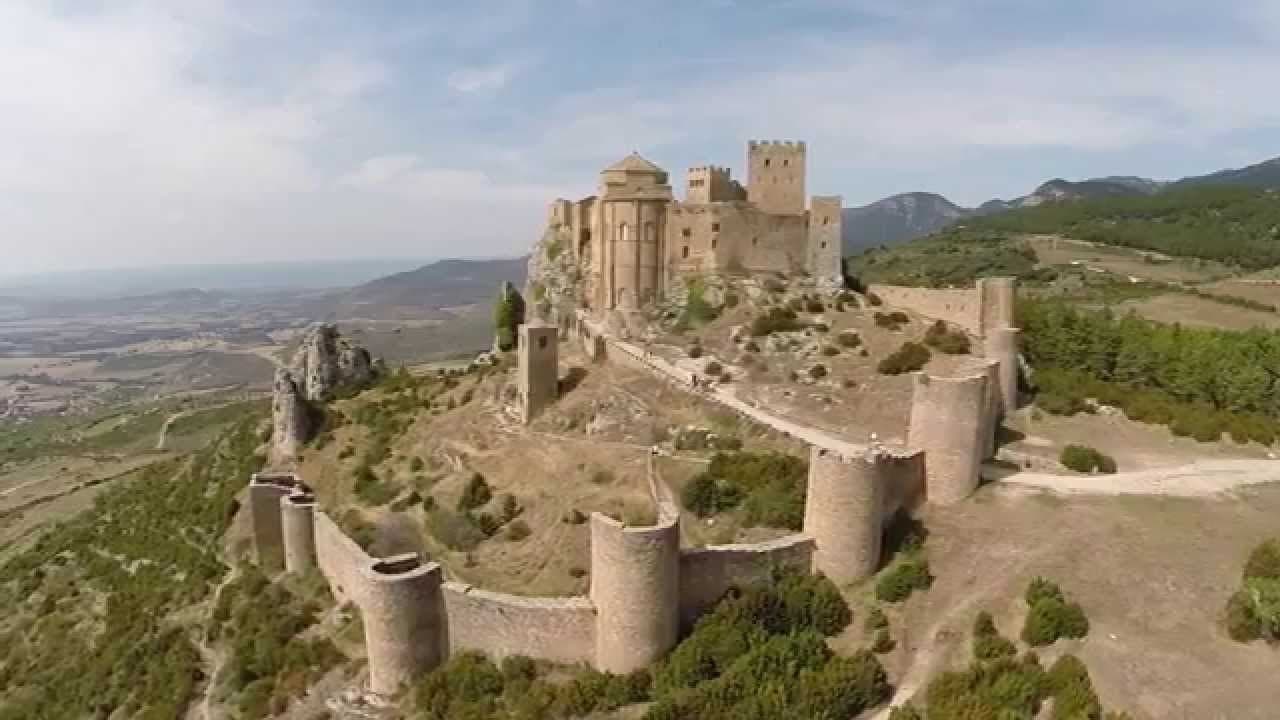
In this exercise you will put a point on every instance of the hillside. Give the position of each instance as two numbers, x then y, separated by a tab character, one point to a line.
1265	174
896	219
446	283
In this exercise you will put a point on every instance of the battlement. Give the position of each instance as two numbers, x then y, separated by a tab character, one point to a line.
711	183
776	145
776	176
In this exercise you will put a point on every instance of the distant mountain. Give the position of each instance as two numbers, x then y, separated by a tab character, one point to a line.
445	283
1265	174
897	218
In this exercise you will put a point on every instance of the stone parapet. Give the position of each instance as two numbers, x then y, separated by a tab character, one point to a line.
560	630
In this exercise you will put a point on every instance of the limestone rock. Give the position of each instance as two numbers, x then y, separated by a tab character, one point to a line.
555	284
290	419
326	361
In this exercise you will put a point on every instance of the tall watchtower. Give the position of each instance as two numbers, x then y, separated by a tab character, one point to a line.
775	176
538	372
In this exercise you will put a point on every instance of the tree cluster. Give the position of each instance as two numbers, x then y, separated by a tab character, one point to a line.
770	487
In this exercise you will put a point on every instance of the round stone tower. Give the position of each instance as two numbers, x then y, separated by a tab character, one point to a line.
948	415
844	509
404	622
265	492
299	532
1001	345
635	575
996	299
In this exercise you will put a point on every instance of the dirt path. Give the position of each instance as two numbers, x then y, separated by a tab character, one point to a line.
164	429
214	658
1195	479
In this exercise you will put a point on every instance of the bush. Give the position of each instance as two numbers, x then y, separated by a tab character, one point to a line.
370	489
475	494
1051	619
943	339
713	368
1041	589
830	350
818	371
455	531
695	351
875	620
882	642
908	358
510	507
769	486
874	299
988	644
1264	561
904	578
848	339
813	305
518	531
1082	458
775	319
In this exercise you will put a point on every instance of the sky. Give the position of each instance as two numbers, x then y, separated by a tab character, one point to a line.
150	132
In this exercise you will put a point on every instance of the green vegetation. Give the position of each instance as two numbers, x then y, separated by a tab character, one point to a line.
848	339
905	577
774	320
1237	226
944	339
999	685
476	494
1051	616
910	357
1253	611
508	314
1200	383
1085	459
270	661
697	311
146	550
951	258
769	487
891	320
760	654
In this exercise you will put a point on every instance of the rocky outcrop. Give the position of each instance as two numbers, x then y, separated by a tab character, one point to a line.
290	418
326	361
554	284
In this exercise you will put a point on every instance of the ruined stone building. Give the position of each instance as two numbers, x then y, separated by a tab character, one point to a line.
633	239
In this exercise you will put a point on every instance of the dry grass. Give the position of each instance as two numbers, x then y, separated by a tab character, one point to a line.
1200	312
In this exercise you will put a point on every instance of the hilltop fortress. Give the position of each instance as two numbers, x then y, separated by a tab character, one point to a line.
630	243
645	587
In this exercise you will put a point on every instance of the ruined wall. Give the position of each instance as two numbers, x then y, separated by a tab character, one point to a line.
1001	346
404	621
958	306
561	630
776	176
707	573
538	370
948	416
635	575
826	257
265	491
298	528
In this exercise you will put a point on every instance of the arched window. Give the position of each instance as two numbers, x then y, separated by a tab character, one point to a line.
684	252
622	232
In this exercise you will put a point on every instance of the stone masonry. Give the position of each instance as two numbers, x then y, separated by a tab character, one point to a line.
538	369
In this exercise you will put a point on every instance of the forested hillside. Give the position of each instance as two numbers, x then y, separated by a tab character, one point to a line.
1235	225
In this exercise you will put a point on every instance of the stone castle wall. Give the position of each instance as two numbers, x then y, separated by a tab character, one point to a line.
825	244
735	236
265	492
707	573
776	176
297	521
958	306
340	559
561	630
635	580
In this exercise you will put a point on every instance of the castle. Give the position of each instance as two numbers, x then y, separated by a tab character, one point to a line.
633	239
644	586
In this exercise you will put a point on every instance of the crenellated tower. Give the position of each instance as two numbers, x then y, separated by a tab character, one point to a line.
775	176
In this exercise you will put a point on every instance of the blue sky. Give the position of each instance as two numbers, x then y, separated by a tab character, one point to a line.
157	132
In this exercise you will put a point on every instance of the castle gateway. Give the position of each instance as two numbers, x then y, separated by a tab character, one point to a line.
633	238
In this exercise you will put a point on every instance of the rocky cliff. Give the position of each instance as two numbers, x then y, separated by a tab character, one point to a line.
290	418
554	284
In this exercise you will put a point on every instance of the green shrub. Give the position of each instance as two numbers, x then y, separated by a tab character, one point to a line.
416	464
774	320
1243	625
875	620
882	642
908	358
830	350
476	493
769	487
1056	404
814	305
818	371
1264	561
901	580
1051	619
1073	694
988	644
695	351
370	489
1082	458
713	368
518	531
944	339
1042	589
457	531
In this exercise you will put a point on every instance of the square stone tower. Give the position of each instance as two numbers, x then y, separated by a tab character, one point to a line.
538	369
825	252
775	176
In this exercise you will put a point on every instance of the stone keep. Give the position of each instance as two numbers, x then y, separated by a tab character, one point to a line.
635	577
843	510
776	175
948	417
538	369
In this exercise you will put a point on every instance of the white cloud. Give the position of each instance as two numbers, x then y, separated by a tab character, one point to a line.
480	79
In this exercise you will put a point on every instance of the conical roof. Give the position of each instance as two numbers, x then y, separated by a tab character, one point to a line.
634	163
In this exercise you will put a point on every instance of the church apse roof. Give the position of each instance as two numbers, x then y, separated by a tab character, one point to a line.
633	163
